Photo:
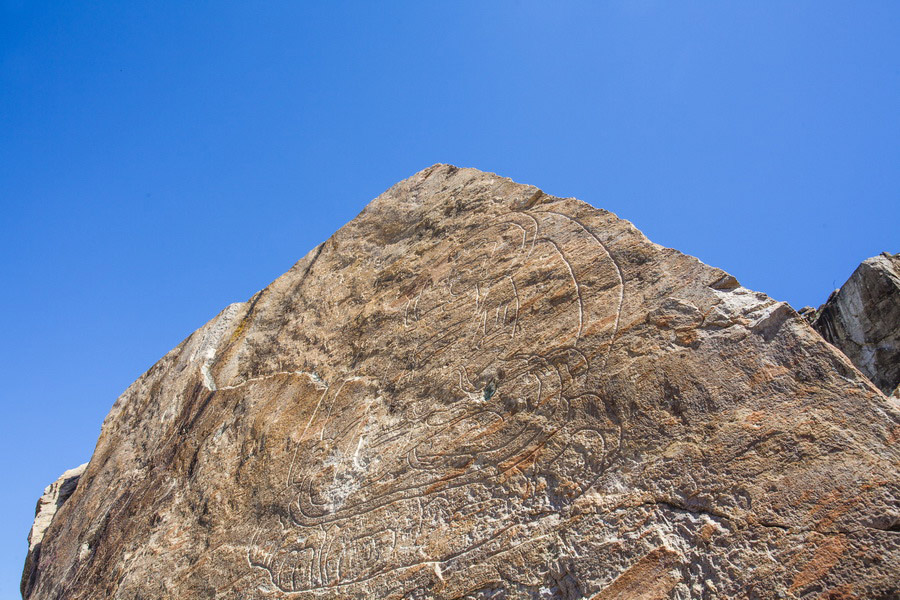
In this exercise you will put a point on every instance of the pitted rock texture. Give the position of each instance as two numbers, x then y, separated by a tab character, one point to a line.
475	390
862	319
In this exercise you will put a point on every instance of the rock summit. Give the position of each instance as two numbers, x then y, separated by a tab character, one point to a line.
476	390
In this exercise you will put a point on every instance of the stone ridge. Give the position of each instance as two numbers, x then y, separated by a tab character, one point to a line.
475	390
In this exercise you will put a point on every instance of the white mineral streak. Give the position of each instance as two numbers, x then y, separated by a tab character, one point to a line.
210	339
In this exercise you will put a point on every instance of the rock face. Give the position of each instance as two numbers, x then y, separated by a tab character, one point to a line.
475	390
862	319
54	496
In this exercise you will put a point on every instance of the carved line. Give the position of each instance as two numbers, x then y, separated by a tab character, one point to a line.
618	269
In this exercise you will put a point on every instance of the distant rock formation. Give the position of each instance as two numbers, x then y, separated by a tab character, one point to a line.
54	496
475	390
862	319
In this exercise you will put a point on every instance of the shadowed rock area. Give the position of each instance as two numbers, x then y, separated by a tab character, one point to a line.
475	390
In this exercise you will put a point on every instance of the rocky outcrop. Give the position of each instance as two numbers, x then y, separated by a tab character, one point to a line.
475	390
862	319
48	504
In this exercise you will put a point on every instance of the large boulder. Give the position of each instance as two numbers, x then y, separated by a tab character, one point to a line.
475	390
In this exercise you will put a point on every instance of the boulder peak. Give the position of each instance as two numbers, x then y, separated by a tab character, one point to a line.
475	390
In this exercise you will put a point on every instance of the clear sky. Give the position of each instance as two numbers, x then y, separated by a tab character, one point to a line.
160	160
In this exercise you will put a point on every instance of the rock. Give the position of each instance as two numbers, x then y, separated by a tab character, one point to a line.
48	504
862	319
475	390
808	313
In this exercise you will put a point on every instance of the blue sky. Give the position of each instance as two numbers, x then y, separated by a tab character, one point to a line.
161	160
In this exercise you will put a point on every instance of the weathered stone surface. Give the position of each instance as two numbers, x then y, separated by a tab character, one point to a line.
862	319
54	496
476	390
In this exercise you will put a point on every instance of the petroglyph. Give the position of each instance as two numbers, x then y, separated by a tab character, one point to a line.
510	447
476	390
